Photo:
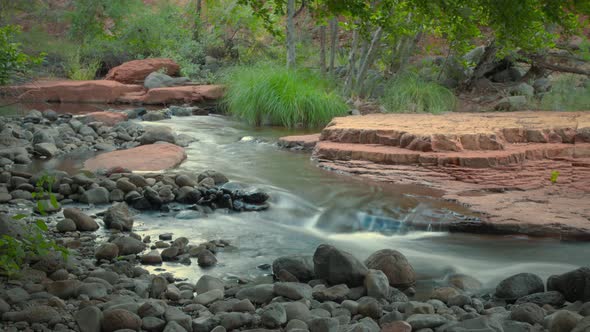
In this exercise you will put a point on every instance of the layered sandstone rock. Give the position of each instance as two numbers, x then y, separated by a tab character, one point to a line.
135	72
174	95
151	157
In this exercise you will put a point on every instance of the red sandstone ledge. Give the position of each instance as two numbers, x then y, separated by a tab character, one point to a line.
301	142
109	91
151	157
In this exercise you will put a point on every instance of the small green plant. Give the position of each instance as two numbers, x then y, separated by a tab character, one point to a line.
569	93
409	93
80	70
267	94
554	176
15	251
12	60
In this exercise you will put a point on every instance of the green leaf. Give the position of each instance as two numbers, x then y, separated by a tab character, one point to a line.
41	207
53	200
19	216
41	225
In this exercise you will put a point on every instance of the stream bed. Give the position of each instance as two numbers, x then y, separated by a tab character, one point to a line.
309	206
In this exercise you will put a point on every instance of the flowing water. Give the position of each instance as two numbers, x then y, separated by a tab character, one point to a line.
309	206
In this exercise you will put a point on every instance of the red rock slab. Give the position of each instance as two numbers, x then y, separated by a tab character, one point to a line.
98	91
514	154
135	72
303	142
151	157
173	95
460	131
108	118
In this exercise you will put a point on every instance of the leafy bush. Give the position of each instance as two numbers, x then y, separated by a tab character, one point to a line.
410	93
79	70
274	95
568	93
15	251
12	60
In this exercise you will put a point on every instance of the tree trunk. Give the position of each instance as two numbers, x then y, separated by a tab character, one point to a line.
323	49
368	59
199	7
334	42
351	62
290	34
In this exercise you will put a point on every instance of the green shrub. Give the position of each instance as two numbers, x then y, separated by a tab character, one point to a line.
568	93
409	93
79	70
274	95
13	61
15	251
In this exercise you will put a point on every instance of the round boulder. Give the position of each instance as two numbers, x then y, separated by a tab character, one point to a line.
396	267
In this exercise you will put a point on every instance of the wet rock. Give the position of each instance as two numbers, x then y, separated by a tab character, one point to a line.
259	294
562	320
423	321
206	258
119	319
217	177
34	314
83	222
207	283
273	316
444	293
574	285
369	307
174	314
338	267
153	257
98	195
184	180
293	290
157	134
66	225
152	308
464	282
553	298
209	297
108	251
153	324
377	284
119	217
254	197
394	265
519	285
301	267
48	150
64	289
297	310
125	185
528	313
337	293
89	319
129	245
324	325
158	286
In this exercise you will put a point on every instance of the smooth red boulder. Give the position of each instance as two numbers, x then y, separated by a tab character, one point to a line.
151	157
100	91
177	94
135	72
108	118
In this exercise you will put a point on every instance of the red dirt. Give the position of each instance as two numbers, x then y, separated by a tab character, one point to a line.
151	157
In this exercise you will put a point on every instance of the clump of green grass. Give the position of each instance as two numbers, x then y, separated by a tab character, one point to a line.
79	70
409	93
274	95
567	94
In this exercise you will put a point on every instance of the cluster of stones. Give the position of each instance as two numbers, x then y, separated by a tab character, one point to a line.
47	134
330	291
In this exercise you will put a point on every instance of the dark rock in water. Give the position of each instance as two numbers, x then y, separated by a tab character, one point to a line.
188	195
396	267
165	236
301	267
338	267
553	298
157	134
129	245
239	206
152	196
153	257
108	251
141	203
519	285
98	195
217	177
574	285
119	217
264	267
206	258
255	197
